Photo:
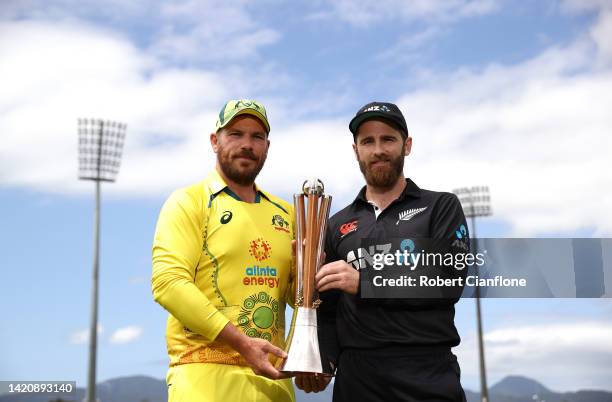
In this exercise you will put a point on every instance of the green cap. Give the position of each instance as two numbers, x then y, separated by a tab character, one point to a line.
236	107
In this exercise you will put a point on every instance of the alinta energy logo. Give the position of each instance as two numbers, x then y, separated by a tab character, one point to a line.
261	276
260	249
257	275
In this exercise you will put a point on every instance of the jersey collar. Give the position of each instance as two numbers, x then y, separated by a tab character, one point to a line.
216	184
411	190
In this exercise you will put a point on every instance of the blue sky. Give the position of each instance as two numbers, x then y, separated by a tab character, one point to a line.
513	95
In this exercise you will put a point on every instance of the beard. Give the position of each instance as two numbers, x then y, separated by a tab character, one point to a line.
232	168
383	177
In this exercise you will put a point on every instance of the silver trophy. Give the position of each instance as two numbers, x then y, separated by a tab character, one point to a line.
312	211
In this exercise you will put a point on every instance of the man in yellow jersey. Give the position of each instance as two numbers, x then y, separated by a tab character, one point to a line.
222	269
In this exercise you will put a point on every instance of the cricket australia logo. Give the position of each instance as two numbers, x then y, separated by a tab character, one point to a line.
409	214
280	223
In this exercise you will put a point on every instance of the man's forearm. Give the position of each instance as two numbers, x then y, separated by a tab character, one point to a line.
233	337
188	304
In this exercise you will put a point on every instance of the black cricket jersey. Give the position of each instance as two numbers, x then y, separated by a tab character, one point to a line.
350	321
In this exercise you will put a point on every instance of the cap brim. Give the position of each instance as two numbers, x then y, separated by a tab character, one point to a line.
253	113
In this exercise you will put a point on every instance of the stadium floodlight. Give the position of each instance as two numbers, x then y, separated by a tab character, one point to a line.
476	202
100	148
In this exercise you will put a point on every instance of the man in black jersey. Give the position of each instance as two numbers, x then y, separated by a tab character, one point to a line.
386	349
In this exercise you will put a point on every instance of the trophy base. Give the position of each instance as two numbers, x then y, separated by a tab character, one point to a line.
303	343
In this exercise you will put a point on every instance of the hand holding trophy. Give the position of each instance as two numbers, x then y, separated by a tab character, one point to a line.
312	212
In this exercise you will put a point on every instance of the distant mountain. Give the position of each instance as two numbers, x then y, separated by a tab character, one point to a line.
122	389
132	389
580	396
472	396
509	389
523	389
147	389
518	386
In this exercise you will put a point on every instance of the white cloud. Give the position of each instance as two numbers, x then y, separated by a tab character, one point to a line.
170	112
537	132
82	336
579	6
210	30
186	31
545	352
366	12
57	77
406	48
601	33
126	335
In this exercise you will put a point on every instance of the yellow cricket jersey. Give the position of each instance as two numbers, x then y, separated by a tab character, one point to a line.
217	259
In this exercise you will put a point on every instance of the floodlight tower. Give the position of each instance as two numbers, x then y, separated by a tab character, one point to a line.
477	202
100	148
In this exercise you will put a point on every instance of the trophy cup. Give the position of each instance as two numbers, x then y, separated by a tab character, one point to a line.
312	211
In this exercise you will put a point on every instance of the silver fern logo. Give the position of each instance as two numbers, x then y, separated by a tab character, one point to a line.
409	214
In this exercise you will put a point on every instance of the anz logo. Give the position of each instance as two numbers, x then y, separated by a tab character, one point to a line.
364	258
376	108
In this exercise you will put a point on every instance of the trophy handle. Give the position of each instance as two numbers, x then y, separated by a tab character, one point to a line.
310	247
300	224
323	217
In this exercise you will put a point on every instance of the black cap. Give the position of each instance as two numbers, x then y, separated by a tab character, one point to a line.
383	110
